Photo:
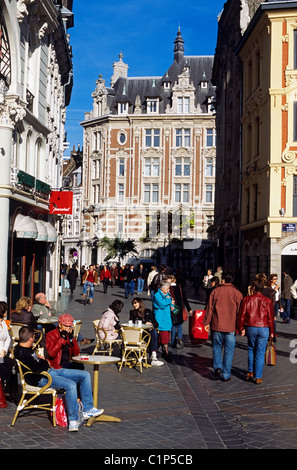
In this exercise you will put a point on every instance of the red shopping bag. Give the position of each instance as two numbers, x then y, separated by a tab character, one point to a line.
3	403
197	331
61	415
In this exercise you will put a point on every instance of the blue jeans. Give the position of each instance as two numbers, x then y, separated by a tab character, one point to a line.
131	287
68	379
126	287
91	284
221	361
140	284
286	304
257	340
176	329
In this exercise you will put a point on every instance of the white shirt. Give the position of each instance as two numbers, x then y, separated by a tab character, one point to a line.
4	337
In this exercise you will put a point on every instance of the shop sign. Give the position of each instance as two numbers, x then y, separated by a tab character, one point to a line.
61	202
288	227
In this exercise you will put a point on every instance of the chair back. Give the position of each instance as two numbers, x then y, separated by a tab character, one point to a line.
14	334
97	330
77	327
131	336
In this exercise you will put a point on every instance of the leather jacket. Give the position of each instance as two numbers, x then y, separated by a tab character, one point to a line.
54	344
256	310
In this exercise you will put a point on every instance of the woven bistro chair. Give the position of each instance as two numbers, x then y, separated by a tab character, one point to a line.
135	346
104	345
34	393
77	327
14	329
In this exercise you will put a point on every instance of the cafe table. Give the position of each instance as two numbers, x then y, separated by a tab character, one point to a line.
144	326
97	361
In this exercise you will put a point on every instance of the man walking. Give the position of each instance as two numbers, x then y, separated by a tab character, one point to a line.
286	296
221	315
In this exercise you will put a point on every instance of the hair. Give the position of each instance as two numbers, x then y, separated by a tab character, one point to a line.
262	279
141	308
228	278
163	283
116	306
215	279
271	277
23	303
256	286
3	309
25	333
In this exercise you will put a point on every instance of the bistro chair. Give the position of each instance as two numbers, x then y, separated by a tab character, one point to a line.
104	345
31	394
14	334
77	327
135	346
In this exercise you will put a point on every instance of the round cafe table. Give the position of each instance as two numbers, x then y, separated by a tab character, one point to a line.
96	361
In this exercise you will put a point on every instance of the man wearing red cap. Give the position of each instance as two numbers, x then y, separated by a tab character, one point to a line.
61	345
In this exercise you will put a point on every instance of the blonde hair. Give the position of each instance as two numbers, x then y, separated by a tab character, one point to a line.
23	303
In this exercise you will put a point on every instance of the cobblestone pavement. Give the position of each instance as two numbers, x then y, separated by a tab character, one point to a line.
177	407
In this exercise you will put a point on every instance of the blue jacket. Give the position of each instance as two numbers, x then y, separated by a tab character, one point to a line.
162	311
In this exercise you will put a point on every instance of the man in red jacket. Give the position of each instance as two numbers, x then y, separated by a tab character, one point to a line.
220	316
61	344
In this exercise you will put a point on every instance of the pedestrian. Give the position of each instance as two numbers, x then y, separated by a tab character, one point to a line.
140	277
153	272
256	319
72	277
219	273
105	277
82	272
162	304
114	273
286	296
178	294
214	281
90	279
131	279
221	314
8	373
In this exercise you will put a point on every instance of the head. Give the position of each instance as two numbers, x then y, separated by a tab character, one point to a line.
256	286
41	298
214	281
26	335
272	280
227	278
65	322
262	279
154	268
138	304
209	272
3	310
116	306
24	303
164	286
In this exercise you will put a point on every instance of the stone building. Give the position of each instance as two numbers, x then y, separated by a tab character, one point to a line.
149	161
35	89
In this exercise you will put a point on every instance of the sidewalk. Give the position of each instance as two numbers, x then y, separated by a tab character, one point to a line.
177	406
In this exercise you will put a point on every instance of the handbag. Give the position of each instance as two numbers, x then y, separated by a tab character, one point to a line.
60	407
3	403
270	354
185	314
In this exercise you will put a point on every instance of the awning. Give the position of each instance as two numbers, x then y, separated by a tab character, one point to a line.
25	227
51	232
42	231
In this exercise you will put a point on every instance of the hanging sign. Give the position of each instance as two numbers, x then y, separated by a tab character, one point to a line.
61	202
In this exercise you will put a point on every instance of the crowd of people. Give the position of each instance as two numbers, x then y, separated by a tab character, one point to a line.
227	313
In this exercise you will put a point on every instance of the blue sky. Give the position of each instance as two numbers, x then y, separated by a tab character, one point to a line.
144	31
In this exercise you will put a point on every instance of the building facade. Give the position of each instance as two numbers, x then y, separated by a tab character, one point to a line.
35	89
149	161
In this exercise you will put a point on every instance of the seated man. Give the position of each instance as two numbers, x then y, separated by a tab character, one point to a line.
66	379
61	345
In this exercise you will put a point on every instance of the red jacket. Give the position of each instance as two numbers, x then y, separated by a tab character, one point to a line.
256	310
105	274
54	343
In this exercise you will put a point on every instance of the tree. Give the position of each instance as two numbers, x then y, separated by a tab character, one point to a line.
117	248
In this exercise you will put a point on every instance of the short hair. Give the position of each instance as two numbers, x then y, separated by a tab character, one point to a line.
25	333
23	303
256	286
164	283
116	306
215	279
3	309
228	278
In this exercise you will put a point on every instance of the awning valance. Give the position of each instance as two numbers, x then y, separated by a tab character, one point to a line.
25	227
51	232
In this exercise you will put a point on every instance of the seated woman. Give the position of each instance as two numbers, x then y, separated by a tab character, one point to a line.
140	312
7	365
24	315
110	321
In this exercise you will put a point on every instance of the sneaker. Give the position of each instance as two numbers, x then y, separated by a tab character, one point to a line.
156	362
73	426
93	413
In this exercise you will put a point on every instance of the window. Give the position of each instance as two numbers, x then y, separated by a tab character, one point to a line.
152	137
123	108
151	167
208	193
120	224
210	137
182	166
183	105
97	140
121	192
152	106
182	192
151	193
204	85
209	167
122	137
122	167
96	193
183	137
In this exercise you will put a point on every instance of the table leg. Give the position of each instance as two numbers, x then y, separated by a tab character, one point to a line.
102	417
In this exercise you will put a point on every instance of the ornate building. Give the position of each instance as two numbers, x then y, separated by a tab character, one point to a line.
149	161
35	89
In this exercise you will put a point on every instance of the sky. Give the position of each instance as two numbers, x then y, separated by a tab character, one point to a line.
144	31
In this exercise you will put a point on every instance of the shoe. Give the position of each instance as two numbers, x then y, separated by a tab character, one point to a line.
226	380
86	341
249	376
90	301
179	344
258	381
93	413
218	374
83	296
156	362
73	426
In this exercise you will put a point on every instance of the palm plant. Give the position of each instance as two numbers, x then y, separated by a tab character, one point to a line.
116	247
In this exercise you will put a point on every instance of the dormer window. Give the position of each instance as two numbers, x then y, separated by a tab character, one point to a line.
152	106
123	108
183	104
166	85
204	85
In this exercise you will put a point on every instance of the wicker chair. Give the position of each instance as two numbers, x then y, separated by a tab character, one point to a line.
77	327
14	329
105	344
135	345
34	393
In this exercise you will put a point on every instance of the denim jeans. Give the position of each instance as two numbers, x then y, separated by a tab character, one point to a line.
257	341
86	284
68	379
131	287
140	284
222	360
176	329
126	287
286	304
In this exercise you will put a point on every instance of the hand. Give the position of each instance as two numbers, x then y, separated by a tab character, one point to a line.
206	327
242	333
2	353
